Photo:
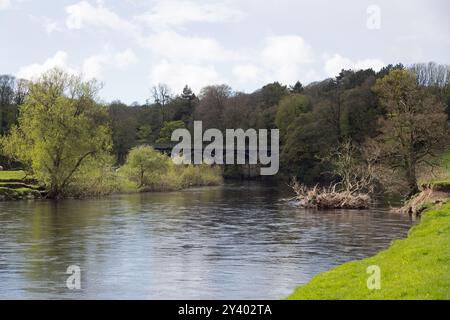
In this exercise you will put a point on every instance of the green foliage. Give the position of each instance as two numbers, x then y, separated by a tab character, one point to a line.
8	194
145	166
289	109
98	176
144	134
297	88
199	175
313	119
123	128
59	128
306	143
12	175
414	268
272	93
415	125
165	134
149	170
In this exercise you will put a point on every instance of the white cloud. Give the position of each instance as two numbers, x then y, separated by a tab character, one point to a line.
335	64
93	66
34	70
177	75
249	73
51	26
286	50
177	13
171	45
125	58
285	58
83	13
4	4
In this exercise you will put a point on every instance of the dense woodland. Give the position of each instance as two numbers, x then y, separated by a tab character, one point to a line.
397	117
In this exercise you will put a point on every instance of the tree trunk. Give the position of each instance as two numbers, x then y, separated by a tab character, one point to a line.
55	193
411	178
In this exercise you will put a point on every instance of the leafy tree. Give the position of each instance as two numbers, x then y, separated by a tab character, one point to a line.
415	125
305	145
124	129
182	107
296	88
169	127
212	105
144	164
144	134
272	93
7	84
59	128
188	94
289	109
387	69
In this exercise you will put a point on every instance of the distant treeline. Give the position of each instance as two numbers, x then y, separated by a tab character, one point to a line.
312	119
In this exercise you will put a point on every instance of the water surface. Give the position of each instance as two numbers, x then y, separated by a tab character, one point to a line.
236	241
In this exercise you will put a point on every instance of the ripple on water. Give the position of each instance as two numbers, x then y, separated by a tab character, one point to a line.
232	242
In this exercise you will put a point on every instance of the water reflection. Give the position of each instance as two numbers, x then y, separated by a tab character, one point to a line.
232	242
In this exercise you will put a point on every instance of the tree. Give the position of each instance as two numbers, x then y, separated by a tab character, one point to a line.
431	74
124	129
272	93
182	107
21	91
238	112
188	94
296	88
6	100
161	96
212	105
289	109
144	164
415	125
169	127
60	127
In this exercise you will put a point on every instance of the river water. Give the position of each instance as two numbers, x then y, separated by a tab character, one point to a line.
236	241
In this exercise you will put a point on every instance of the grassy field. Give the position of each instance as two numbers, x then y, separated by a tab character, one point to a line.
415	268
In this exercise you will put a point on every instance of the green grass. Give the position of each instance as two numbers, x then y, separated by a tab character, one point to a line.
12	175
446	159
441	183
415	268
18	194
13	188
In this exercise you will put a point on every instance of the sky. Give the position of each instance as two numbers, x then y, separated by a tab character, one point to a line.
131	45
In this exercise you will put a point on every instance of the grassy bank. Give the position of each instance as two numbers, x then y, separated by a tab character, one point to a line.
104	180
15	186
415	268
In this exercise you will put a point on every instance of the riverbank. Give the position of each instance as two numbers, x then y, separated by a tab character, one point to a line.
15	185
414	268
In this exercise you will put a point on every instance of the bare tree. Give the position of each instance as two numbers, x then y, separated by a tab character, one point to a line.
356	171
21	91
162	97
431	74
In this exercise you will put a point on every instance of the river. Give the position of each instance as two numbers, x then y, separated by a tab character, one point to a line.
236	241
